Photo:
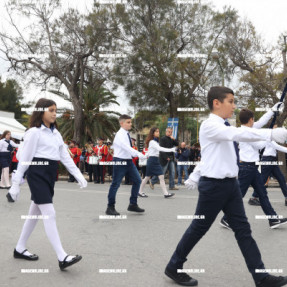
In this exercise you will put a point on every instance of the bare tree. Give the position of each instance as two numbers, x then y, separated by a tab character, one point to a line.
56	48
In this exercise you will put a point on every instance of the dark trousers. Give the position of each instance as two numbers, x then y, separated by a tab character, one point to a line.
100	173
249	175
267	170
216	195
119	171
92	171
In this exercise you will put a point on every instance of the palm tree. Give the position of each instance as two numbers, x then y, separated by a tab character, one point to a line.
97	123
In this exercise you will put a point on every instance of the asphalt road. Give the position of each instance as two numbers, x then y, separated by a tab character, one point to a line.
138	247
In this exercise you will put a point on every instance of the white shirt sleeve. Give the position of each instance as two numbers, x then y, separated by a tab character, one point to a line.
263	120
279	147
195	175
220	132
13	144
119	142
156	146
1	144
28	151
259	145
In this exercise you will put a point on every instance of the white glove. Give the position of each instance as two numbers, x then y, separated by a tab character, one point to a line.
14	191
276	109
13	175
190	184
279	135
81	180
142	156
174	149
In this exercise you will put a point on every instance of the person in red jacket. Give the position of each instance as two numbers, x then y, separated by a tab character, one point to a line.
143	167
101	151
73	153
14	160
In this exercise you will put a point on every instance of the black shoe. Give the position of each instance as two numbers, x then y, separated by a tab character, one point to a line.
277	223
254	201
2	187
111	211
272	281
26	257
169	195
142	195
180	278
64	264
225	224
135	208
9	197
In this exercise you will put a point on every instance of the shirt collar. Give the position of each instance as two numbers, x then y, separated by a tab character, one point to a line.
52	128
216	118
123	130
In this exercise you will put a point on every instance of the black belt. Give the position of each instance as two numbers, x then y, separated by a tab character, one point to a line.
248	163
218	179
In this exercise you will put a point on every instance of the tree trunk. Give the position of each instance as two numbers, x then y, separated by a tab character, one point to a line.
79	117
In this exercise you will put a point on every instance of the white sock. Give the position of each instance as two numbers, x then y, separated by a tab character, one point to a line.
48	210
162	184
27	229
144	182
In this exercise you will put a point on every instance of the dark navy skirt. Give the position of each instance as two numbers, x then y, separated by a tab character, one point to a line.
153	166
41	180
5	159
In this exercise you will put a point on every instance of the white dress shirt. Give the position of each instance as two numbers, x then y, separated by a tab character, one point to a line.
218	156
270	149
249	152
4	145
154	148
43	143
122	146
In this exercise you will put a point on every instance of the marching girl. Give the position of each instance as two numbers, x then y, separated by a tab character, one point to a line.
144	152
43	147
153	166
6	147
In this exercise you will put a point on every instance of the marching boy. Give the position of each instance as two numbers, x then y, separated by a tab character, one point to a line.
219	190
123	153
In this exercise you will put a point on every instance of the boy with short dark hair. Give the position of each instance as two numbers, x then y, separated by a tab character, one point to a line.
219	190
123	154
248	170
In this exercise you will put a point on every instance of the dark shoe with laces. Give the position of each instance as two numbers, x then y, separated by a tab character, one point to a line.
135	208
225	224
111	211
180	278
254	201
276	223
272	281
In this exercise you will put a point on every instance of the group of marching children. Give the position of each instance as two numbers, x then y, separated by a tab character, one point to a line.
222	178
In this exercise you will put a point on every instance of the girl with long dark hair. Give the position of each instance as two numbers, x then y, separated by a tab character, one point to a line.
42	148
153	166
6	147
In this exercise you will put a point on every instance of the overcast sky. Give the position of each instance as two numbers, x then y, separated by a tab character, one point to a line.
269	18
